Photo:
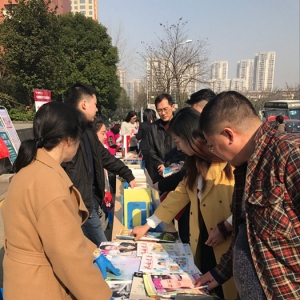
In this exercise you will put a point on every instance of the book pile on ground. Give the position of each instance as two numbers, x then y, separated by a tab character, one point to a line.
163	236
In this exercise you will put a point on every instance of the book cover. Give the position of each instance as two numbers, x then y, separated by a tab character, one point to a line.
138	291
165	285
127	266
162	236
186	264
118	248
187	249
174	249
159	264
120	289
168	171
150	248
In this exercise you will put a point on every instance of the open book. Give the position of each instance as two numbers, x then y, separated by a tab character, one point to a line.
163	236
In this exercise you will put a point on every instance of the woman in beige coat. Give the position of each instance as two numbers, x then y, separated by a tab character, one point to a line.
47	257
208	185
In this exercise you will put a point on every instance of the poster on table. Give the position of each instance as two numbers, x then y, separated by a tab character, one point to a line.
41	97
9	134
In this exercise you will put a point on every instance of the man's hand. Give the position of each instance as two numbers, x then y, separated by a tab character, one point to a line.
215	238
132	184
208	279
160	169
103	264
139	231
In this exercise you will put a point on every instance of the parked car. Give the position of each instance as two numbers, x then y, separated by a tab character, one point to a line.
292	126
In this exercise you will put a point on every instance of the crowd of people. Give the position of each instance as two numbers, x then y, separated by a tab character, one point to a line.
236	196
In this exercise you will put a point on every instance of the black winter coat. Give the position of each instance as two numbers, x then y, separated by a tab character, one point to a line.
161	146
79	173
143	136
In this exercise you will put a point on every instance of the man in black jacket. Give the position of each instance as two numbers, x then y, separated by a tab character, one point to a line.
86	168
163	149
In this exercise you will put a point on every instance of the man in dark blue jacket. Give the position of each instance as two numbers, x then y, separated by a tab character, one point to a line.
86	168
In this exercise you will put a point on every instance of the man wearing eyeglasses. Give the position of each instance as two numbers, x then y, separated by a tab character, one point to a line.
162	150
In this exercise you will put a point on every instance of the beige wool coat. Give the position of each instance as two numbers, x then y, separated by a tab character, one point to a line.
47	257
214	205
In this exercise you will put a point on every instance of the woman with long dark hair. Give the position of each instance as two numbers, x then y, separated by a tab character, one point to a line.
129	127
46	254
149	116
208	186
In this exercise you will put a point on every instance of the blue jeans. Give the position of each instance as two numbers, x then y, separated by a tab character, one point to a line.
92	228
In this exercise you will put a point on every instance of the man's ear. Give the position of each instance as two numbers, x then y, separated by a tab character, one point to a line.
229	134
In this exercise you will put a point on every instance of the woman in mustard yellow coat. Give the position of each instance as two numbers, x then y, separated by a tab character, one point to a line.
208	186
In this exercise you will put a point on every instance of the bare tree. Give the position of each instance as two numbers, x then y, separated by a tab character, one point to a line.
175	64
120	40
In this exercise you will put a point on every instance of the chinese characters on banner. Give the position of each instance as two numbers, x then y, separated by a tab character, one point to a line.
41	97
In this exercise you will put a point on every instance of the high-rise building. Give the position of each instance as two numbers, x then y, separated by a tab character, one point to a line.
62	6
134	87
237	84
219	69
121	73
161	78
245	71
88	8
264	67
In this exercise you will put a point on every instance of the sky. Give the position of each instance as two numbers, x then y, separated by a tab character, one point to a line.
234	29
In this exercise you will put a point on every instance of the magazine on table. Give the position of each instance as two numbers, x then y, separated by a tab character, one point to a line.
150	248
187	249
138	291
164	249
120	289
167	285
167	264
174	249
159	264
127	265
118	248
162	236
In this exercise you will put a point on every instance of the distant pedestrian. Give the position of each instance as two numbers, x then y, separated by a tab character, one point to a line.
280	126
113	141
129	127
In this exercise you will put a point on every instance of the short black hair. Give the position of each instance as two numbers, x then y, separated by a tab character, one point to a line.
204	94
161	97
227	107
280	119
77	92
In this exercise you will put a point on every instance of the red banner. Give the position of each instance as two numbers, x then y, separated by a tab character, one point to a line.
42	95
